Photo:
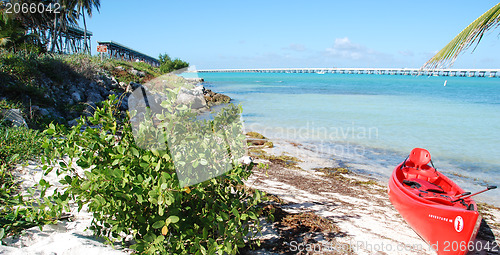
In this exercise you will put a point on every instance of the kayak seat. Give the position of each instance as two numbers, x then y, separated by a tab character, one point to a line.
416	166
419	158
426	173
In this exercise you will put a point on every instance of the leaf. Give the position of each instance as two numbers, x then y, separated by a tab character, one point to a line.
195	164
205	233
252	215
165	104
173	219
169	198
203	162
203	250
134	151
86	185
157	168
117	173
14	157
163	186
164	230
159	239
166	157
244	216
472	33
235	212
159	224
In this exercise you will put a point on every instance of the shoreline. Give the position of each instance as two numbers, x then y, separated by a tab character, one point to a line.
316	106
319	207
356	204
378	163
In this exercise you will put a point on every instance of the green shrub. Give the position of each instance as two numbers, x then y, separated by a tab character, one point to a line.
136	192
18	212
18	144
167	65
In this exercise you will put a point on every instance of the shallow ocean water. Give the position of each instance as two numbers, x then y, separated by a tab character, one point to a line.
371	122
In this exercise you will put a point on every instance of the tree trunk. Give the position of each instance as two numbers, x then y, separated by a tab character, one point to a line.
85	46
53	39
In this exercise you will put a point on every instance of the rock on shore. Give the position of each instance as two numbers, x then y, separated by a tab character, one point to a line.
81	96
213	98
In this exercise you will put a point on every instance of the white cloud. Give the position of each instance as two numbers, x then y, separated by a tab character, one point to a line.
344	48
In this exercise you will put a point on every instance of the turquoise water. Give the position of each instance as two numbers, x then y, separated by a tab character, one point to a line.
371	122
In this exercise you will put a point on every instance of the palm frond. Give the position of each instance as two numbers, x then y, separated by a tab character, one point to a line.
473	33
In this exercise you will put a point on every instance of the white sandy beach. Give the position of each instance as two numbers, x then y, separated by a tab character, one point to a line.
368	221
66	237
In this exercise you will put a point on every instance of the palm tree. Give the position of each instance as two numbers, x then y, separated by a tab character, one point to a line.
473	33
67	16
13	30
88	6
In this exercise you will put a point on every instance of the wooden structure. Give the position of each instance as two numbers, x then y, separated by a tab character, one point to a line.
118	51
70	39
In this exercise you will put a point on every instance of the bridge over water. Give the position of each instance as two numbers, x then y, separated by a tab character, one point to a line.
381	71
119	51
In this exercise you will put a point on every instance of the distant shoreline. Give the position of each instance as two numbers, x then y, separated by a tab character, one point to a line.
381	71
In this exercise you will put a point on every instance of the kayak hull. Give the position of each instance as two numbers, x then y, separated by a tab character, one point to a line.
447	226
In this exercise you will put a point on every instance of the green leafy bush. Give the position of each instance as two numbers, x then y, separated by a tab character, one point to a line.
18	211
18	144
135	192
167	65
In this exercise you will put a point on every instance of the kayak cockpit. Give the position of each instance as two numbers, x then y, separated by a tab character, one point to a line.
436	193
424	181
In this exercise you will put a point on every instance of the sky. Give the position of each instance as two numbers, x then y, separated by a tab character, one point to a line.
287	34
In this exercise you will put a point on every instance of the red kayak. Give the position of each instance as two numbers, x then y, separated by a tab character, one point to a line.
437	209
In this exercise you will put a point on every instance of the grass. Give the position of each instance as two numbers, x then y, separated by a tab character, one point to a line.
168	81
25	79
9	104
125	76
17	145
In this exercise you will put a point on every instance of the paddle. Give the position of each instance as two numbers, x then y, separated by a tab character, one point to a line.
468	194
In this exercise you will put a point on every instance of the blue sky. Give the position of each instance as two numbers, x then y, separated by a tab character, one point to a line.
266	34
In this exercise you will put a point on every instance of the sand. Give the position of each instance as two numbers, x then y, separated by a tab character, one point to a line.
68	236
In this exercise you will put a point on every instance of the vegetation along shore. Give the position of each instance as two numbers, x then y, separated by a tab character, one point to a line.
74	178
